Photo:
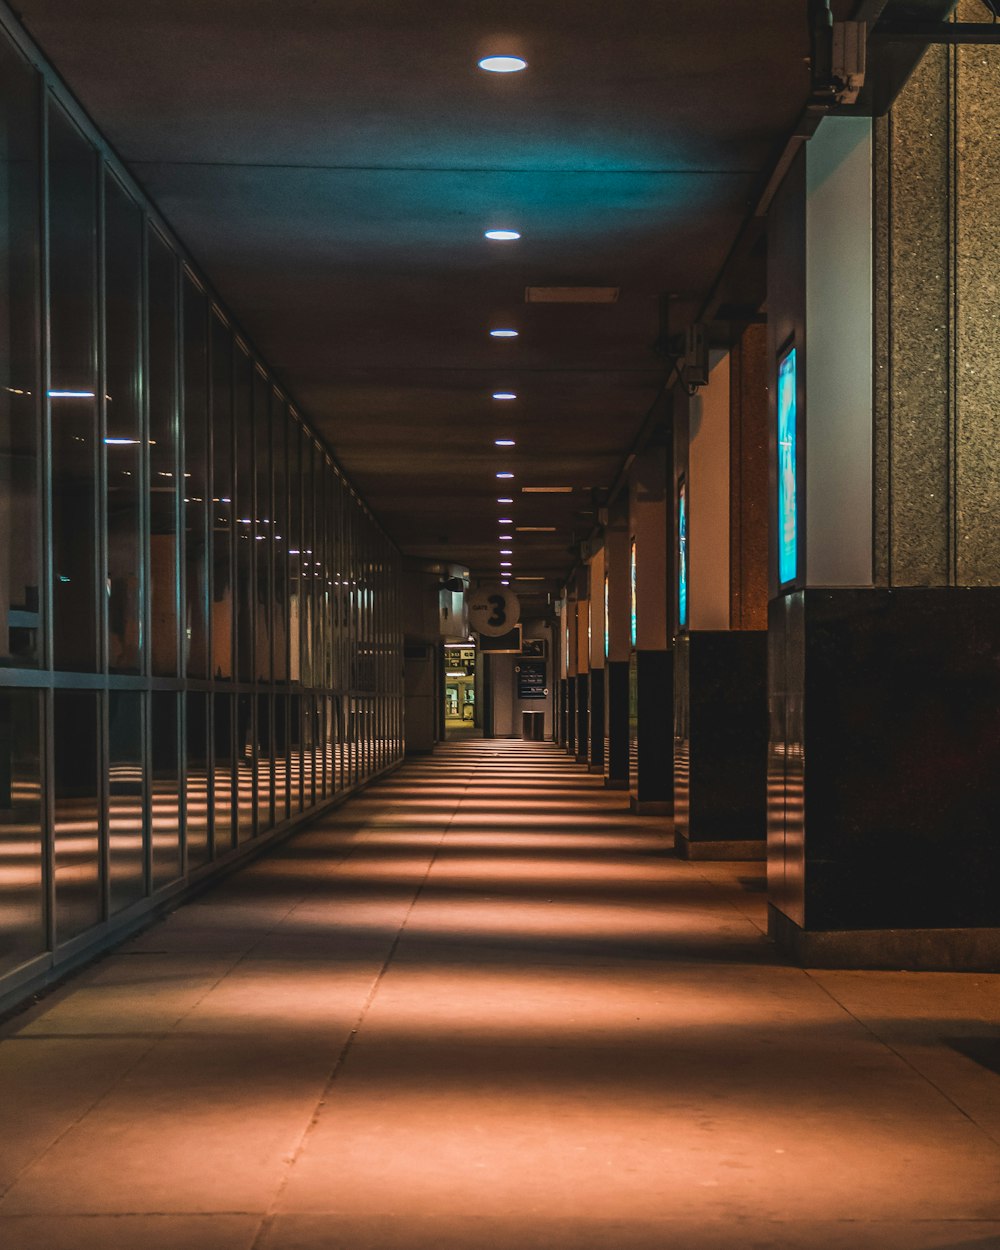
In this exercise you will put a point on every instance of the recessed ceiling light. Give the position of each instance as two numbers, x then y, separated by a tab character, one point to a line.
503	236
504	442
502	64
503	334
504	520
504	582
504	395
506	551
547	490
506	538
505	501
505	564
505	475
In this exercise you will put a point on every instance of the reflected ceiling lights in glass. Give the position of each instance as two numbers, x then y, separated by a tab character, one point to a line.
503	64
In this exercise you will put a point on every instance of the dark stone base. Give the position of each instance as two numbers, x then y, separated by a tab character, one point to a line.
884	766
651	731
742	849
582	717
616	724
720	740
912	950
595	727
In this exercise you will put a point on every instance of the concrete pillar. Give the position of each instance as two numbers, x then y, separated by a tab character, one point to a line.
582	680
720	653
651	696
595	744
885	649
616	667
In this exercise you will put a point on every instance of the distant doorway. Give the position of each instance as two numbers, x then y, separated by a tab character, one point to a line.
461	716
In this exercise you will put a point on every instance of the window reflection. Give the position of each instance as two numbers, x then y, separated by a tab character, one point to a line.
196	791
196	487
76	816
223	772
123	437
22	933
126	798
164	470
165	805
221	510
73	391
20	632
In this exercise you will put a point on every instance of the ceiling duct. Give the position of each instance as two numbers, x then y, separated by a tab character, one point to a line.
571	294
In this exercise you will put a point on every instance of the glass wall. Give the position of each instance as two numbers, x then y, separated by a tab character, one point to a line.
202	631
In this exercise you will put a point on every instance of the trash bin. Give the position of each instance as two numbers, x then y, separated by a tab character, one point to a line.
533	726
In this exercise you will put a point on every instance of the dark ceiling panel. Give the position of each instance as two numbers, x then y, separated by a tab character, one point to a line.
332	167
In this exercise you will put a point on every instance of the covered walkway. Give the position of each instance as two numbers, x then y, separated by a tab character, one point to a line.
483	1006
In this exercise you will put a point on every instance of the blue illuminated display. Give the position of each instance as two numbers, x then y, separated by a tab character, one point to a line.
682	556
633	615
607	620
788	518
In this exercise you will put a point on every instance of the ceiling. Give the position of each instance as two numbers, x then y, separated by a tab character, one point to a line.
333	164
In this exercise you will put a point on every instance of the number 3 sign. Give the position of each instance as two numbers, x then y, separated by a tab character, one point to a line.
493	610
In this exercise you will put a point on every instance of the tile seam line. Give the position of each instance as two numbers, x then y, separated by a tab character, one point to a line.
271	1214
980	1128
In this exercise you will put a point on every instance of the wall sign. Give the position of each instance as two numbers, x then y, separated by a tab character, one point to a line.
788	504
531	679
493	610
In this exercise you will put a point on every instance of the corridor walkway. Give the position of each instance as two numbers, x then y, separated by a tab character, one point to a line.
483	1006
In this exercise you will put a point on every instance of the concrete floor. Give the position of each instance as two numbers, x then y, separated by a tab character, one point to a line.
482	1006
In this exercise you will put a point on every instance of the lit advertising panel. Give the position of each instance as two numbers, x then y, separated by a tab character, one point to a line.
682	555
788	520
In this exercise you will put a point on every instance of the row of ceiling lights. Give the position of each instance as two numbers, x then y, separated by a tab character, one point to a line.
504	65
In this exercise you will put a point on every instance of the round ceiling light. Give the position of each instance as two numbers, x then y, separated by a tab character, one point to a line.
503	236
502	64
505	475
504	442
505	500
504	395
503	334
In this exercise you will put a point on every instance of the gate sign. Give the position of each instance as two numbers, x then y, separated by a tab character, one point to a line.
493	610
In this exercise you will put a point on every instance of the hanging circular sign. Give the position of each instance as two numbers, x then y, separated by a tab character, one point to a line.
493	610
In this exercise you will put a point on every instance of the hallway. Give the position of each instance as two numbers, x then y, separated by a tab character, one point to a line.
481	1005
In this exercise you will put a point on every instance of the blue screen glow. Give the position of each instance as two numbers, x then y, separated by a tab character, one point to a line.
633	613
682	556
788	520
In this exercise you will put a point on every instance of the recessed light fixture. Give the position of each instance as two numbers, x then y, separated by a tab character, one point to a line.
71	395
503	334
503	64
505	475
547	490
506	551
504	442
503	236
504	520
506	538
504	395
505	501
504	581
505	564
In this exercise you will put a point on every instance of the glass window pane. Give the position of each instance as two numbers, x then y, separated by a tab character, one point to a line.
223	772
295	557
196	802
196	492
265	738
262	531
279	619
126	798
123	436
20	633
166	782
163	449
221	517
243	423
77	813
244	767
73	391
22	934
